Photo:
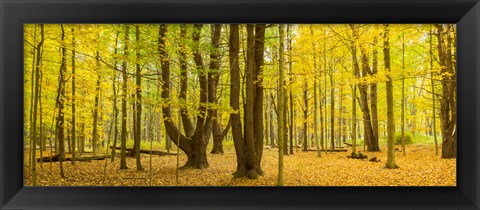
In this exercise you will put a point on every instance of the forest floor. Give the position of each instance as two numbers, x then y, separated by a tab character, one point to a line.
420	167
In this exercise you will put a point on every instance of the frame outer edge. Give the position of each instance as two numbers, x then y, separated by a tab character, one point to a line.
2	111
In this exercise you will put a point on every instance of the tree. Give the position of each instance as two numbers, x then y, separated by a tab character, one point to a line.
194	146
258	127
281	117
448	108
214	76
73	97
123	145
61	103
33	143
138	101
389	88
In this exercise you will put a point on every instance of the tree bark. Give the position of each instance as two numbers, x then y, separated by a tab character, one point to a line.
315	97
233	51
448	108
96	107
123	161
258	126
74	135
389	89
138	93
34	137
187	124
61	103
281	117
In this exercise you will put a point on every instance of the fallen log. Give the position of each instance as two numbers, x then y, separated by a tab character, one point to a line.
154	152
56	158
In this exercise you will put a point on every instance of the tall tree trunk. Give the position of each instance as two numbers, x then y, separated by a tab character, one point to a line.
249	104
305	114
258	126
187	124
315	97
290	69
115	108
432	82
61	103
96	107
74	135
239	143
403	96
373	91
138	91
448	108
280	103
371	141
389	89
123	144
332	112
214	76
34	137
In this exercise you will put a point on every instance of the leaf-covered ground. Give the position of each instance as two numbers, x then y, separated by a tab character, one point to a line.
419	168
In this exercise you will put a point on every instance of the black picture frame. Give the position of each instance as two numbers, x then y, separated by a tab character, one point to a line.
464	13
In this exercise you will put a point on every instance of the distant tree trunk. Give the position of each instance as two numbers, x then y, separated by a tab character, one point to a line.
272	132
96	107
389	88
325	127
448	108
138	91
123	145
305	114
332	112
74	135
33	143
403	96
290	64
61	103
373	91
115	108
280	103
432	81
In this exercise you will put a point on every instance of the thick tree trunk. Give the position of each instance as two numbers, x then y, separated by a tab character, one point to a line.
371	141
448	108
250	100
258	126
237	134
195	146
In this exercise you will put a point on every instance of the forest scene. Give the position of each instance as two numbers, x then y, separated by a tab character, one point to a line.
240	105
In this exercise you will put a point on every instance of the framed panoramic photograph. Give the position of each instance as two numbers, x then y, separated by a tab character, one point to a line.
231	104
